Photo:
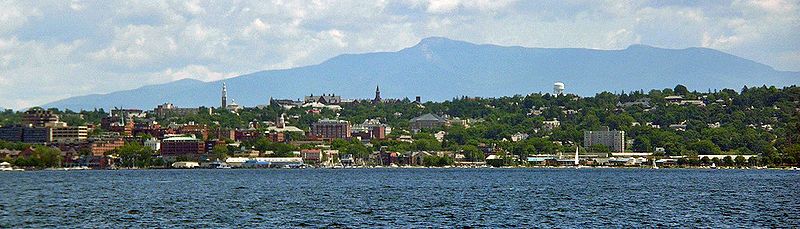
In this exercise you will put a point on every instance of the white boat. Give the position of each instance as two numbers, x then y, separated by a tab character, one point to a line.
713	165
5	166
219	165
654	164
577	161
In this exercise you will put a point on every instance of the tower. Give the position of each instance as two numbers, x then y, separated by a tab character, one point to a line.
224	96
558	88
281	122
377	95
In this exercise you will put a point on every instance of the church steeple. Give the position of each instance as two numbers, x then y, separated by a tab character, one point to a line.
377	94
224	96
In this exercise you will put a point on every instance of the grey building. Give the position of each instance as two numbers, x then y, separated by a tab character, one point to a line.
613	139
427	121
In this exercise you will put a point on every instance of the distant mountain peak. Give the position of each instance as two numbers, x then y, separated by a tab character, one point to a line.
439	68
430	42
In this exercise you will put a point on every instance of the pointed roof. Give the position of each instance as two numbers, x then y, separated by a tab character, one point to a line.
428	117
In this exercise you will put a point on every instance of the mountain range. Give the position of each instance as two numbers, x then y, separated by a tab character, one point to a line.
439	69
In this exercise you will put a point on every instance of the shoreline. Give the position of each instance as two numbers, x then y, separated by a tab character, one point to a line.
422	167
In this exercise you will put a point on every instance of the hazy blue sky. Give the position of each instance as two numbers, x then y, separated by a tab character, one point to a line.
51	50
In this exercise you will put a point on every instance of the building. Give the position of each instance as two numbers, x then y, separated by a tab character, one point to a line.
199	131
679	100
327	129
613	139
182	146
281	127
377	98
643	102
311	155
168	109
118	123
233	107
330	99
371	129
152	143
519	137
427	121
224	96
38	117
286	103
246	135
75	133
26	134
96	147
558	88
550	125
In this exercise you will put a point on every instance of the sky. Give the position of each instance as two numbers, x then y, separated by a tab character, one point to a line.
51	50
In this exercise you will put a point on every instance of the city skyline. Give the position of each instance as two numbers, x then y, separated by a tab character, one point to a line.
75	48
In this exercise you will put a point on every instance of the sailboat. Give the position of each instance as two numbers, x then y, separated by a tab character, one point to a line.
577	161
654	164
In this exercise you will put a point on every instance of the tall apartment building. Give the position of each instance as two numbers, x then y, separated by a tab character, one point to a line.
38	117
613	139
331	129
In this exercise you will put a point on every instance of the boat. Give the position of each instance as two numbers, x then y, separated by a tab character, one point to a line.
577	161
713	165
5	166
654	164
219	165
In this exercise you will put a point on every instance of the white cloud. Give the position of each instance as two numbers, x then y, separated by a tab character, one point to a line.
198	72
76	5
194	7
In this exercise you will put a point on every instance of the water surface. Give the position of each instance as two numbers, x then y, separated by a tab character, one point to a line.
401	198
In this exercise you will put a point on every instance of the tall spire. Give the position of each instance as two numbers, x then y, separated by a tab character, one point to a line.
377	94
224	96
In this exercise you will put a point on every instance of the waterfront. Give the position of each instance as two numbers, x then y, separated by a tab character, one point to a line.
401	197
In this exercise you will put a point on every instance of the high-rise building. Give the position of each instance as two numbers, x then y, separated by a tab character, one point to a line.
613	139
224	96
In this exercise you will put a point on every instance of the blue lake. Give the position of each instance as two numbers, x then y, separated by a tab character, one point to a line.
401	198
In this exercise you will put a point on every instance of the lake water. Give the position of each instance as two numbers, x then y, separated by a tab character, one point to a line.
401	198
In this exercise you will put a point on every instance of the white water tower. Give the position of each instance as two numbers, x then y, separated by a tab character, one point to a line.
558	88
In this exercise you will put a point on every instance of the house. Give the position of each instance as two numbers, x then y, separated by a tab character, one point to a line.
415	158
519	137
311	155
643	102
679	100
550	125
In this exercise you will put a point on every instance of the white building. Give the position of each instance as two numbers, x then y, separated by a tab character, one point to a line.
153	144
